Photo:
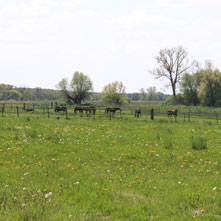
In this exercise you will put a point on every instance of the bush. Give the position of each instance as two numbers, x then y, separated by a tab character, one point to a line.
178	100
199	143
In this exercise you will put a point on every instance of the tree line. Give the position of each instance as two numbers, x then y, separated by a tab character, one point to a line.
197	85
12	93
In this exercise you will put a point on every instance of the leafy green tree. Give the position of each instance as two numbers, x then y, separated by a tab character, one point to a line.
77	90
114	93
190	85
136	96
210	89
151	93
143	94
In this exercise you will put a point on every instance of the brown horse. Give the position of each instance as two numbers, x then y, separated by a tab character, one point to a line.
137	113
172	112
87	109
109	110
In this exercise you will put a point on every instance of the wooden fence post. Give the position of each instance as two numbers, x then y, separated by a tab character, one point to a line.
188	116
217	119
184	117
3	109
66	113
152	114
24	106
17	111
48	113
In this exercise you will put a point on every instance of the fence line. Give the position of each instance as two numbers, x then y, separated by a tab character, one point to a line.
127	114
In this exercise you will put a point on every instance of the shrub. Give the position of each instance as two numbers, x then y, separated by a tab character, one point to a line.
199	143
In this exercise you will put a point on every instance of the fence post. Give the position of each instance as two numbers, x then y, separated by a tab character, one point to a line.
66	113
3	109
184	117
188	116
48	112
217	119
17	111
24	106
152	114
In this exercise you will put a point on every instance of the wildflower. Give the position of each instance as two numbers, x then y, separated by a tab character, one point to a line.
24	188
155	188
157	155
179	182
214	189
23	205
108	171
26	174
70	216
6	186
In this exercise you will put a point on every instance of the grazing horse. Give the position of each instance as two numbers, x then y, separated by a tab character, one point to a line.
87	109
172	112
29	109
137	113
60	108
109	110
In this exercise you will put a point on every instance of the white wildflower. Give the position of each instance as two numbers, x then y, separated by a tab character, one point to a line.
214	189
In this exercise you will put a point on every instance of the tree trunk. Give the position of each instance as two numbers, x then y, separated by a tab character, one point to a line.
174	89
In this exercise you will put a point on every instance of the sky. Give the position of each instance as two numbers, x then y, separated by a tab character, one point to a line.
43	41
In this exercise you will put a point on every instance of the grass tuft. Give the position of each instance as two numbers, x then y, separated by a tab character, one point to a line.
199	143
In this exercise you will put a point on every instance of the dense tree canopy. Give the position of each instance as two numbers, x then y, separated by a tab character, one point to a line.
77	90
114	93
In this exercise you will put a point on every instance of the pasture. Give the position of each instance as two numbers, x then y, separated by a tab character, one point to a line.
57	169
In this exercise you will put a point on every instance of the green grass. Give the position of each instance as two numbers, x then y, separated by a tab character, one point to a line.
119	170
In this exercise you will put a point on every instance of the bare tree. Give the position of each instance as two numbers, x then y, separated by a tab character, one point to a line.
172	63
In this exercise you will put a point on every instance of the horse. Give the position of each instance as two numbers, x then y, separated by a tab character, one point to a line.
60	108
137	113
172	112
109	110
87	109
29	109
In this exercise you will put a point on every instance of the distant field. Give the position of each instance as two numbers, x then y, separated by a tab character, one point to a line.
57	169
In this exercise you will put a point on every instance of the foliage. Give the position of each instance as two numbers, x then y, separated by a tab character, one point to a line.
172	63
114	93
178	100
210	89
190	85
10	92
77	90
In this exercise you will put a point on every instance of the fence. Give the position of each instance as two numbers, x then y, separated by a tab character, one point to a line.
148	113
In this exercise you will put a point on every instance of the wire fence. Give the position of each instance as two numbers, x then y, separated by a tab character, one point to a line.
148	113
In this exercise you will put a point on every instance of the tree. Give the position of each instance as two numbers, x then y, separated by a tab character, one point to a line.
190	85
210	90
143	94
77	90
151	93
114	93
172	63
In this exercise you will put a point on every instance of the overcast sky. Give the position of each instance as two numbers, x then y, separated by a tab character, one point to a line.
43	41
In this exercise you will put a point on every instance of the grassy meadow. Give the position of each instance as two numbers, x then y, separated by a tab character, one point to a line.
57	169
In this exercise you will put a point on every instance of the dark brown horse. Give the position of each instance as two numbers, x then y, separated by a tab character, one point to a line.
87	109
172	112
137	113
60	108
109	110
